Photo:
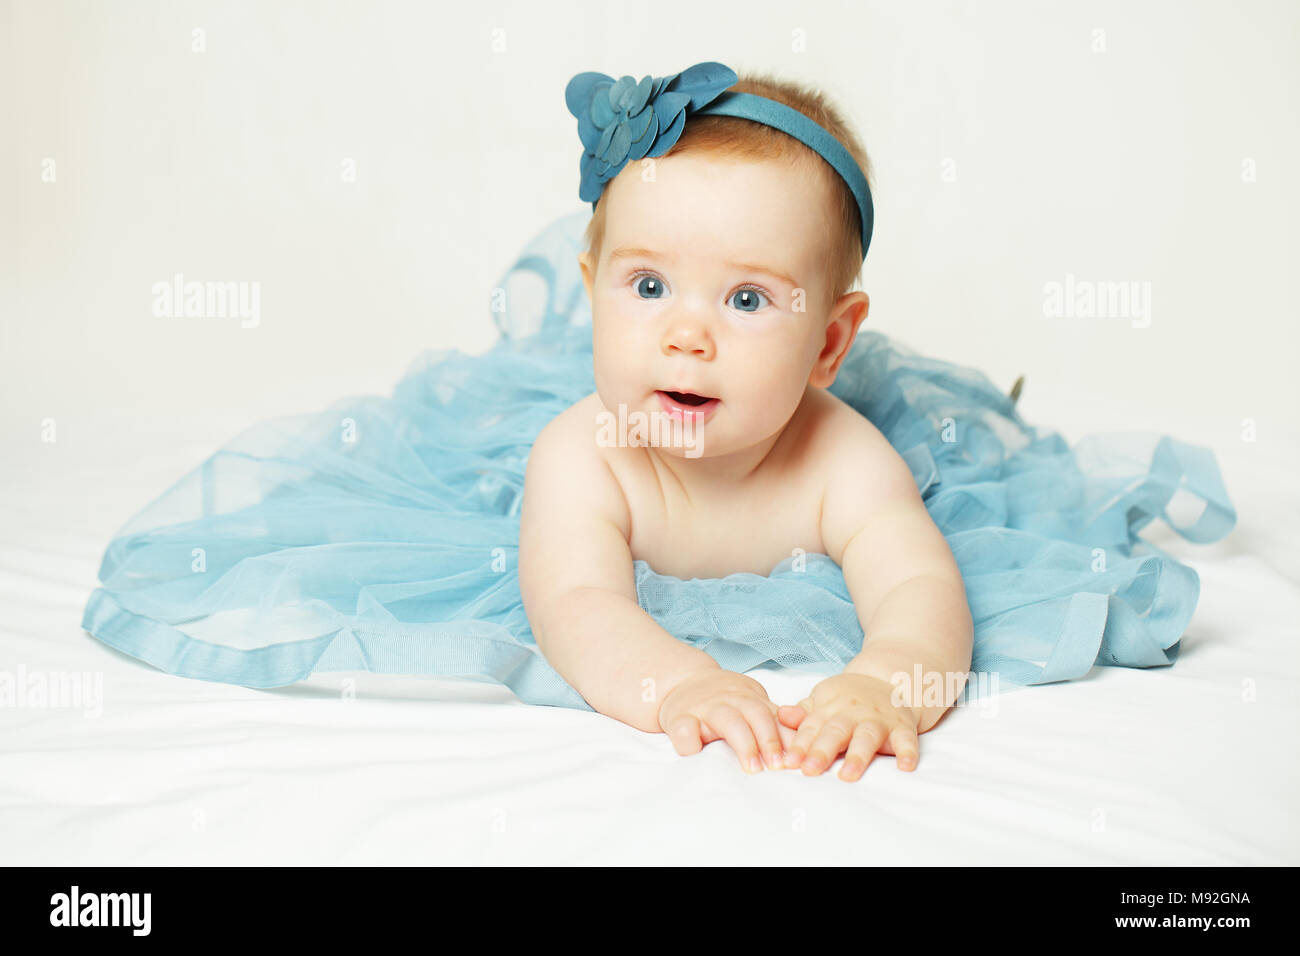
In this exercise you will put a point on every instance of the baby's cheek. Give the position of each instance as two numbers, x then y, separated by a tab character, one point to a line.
771	398
617	378
782	379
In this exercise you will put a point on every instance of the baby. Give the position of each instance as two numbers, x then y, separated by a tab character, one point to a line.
718	276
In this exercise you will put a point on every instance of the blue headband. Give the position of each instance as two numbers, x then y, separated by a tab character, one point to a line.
622	120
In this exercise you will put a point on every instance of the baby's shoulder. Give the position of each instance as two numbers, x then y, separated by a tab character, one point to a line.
573	428
859	471
838	434
567	467
568	441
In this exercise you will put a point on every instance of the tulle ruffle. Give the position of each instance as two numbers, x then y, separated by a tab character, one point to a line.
382	533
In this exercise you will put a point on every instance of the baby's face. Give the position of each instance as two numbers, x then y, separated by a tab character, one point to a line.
711	281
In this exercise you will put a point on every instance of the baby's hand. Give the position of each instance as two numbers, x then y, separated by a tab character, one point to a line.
853	710
721	704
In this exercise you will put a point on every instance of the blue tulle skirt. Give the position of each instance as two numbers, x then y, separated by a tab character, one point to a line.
382	533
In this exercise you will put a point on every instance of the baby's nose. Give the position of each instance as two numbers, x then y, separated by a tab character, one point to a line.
688	337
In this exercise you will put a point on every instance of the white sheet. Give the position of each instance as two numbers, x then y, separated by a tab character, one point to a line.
1194	764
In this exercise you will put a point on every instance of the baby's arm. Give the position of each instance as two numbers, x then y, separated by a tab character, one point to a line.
579	587
905	583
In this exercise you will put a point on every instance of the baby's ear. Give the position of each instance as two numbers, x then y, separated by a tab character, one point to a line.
848	312
854	306
588	270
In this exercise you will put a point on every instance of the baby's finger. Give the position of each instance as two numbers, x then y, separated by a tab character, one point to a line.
791	716
833	738
867	738
787	740
735	729
795	753
906	747
684	732
763	723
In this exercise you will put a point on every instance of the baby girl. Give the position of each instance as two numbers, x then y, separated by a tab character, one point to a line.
719	266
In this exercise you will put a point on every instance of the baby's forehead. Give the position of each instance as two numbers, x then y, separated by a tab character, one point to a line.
687	199
789	238
725	173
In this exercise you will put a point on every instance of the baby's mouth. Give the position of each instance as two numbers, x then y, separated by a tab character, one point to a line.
687	406
688	398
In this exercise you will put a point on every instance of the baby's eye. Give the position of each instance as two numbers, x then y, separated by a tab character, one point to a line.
747	299
649	286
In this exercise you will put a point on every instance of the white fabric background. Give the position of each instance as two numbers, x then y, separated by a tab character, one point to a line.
225	165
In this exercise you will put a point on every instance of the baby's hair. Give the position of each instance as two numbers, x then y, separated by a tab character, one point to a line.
735	137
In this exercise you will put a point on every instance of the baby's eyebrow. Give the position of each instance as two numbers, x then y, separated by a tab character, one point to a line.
636	252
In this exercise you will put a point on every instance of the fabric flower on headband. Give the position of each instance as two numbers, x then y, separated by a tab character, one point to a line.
622	120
